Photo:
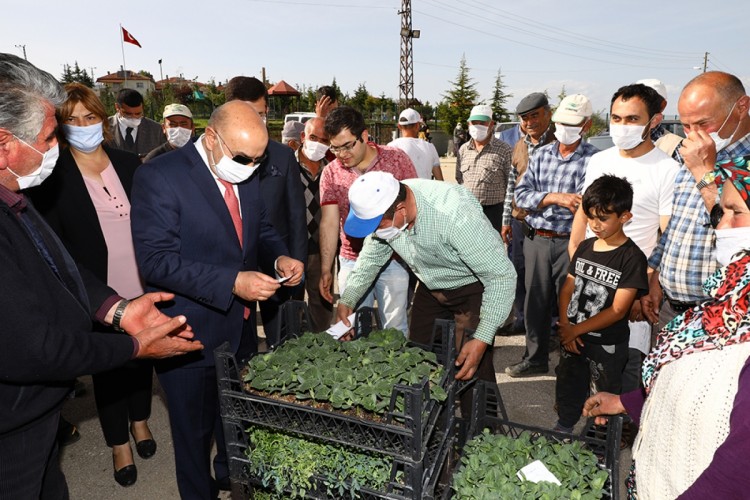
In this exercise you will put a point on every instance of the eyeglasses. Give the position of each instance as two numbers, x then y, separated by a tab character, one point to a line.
240	158
344	148
716	214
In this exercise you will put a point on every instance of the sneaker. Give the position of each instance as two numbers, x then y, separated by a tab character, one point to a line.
560	428
525	369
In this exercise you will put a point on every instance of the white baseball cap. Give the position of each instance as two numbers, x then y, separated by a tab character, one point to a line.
177	109
481	113
369	198
573	110
655	84
409	116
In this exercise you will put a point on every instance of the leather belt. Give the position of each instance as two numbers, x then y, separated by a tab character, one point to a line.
681	307
550	234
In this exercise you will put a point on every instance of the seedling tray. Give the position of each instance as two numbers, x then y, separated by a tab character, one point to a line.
418	479
489	413
403	434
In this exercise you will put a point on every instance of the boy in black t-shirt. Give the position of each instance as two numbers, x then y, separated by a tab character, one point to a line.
606	275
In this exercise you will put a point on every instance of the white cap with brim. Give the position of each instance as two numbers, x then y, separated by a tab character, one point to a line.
481	113
573	110
369	198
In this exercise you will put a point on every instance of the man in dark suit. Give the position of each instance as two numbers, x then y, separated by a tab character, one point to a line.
47	305
131	131
282	192
201	230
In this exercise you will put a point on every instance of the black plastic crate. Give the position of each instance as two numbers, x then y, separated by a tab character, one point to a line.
489	412
403	435
419	479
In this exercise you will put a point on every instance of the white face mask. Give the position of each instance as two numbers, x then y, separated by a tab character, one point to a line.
85	139
478	132
49	159
626	136
178	136
722	143
231	171
130	122
730	241
567	134
315	151
388	233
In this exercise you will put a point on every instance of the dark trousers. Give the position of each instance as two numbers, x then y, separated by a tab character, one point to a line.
546	269
461	305
30	463
193	403
269	314
123	395
495	215
321	311
516	257
577	373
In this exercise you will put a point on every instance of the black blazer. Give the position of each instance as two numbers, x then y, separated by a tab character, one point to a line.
284	196
45	330
65	203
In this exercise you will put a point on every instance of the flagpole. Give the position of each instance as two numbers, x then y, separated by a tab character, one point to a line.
122	46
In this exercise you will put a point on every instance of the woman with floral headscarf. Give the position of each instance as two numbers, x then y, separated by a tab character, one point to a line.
694	438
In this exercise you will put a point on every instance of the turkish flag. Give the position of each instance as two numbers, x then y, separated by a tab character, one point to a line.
127	37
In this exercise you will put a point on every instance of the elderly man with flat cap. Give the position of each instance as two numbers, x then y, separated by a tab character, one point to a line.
483	164
438	230
201	231
537	128
550	192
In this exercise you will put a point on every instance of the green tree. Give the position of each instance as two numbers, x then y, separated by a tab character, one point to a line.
360	100
76	74
598	124
499	99
458	101
562	95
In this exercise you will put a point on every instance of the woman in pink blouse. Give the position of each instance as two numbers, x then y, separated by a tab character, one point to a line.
85	200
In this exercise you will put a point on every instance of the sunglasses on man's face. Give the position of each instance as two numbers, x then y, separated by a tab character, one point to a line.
240	158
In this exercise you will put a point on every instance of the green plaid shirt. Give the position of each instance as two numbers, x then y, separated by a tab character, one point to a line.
451	245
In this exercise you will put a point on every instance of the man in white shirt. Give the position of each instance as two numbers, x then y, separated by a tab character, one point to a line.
422	153
635	111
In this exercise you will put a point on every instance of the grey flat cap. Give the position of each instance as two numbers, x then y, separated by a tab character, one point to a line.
531	102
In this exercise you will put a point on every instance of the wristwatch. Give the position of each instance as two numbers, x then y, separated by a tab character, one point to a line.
707	179
119	313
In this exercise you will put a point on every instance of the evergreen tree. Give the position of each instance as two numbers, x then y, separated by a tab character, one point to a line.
360	100
76	74
458	101
499	98
562	95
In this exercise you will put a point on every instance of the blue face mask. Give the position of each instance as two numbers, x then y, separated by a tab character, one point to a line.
84	139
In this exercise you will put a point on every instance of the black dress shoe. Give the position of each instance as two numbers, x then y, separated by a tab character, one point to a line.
146	448
126	476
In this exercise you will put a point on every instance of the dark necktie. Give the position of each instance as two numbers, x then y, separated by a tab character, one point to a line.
129	142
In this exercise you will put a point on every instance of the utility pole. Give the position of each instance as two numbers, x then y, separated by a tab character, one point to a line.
705	61
406	82
23	47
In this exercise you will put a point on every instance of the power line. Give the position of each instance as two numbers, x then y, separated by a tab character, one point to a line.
618	50
319	4
547	49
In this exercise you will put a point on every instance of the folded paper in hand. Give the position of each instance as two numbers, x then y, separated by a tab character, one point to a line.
340	329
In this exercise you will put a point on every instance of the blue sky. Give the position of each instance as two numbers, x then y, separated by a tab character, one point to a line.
591	47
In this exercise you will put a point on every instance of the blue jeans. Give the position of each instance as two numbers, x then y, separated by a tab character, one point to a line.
391	289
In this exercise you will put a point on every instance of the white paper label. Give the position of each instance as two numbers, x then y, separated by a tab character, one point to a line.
536	472
340	329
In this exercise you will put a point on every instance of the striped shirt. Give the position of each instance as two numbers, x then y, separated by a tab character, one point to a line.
685	255
485	173
450	245
549	172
